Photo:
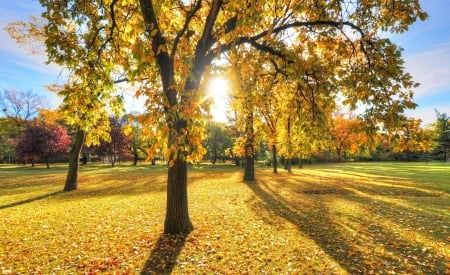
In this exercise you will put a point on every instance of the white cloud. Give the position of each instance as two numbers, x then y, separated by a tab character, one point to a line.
15	53
431	68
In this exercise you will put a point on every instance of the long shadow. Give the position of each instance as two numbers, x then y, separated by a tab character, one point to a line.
320	228
30	200
353	253
164	255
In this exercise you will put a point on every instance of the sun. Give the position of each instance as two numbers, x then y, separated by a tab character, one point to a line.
218	89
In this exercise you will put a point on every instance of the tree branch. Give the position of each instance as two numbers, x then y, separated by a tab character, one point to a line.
189	17
202	45
253	39
158	44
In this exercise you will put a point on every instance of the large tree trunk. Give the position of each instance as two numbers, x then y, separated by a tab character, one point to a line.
249	168
72	175
274	159
177	214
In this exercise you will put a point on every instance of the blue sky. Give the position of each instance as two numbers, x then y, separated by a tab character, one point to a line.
426	52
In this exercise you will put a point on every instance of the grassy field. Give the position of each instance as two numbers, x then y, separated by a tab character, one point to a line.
390	218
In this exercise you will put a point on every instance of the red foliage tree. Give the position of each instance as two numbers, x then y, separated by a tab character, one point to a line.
117	147
43	141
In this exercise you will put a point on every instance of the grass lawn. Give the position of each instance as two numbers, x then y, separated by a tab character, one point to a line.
352	218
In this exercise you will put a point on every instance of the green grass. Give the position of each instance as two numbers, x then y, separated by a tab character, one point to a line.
324	219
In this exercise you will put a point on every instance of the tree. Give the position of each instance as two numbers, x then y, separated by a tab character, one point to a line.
8	132
41	140
136	145
268	103
116	147
308	103
408	137
244	90
168	45
89	90
217	140
347	134
442	135
21	105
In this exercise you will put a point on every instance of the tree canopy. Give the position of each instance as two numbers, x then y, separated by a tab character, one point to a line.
42	140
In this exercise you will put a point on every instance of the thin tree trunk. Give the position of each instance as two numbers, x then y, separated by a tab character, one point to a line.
84	160
72	175
445	153
214	156
289	159
135	157
274	159
289	165
249	166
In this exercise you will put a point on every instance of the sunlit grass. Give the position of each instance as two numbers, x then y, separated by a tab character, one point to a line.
340	218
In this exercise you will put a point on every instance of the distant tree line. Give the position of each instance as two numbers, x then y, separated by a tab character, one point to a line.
30	133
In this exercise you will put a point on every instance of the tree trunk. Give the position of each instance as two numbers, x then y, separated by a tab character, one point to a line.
274	159
72	175
135	157
214	157
237	161
289	165
249	169
289	160
177	214
249	166
84	160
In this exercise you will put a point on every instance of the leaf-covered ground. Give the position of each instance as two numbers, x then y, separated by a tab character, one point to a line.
389	218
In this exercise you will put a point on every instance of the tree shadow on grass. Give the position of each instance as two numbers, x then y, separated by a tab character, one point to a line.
163	257
318	227
30	200
360	246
